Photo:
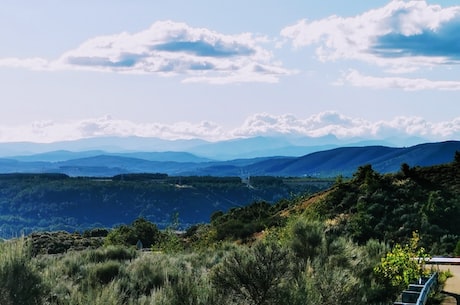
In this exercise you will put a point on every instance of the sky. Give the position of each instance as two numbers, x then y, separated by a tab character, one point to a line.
217	70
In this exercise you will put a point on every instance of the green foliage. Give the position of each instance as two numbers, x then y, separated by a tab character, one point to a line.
170	242
390	207
50	202
60	242
329	249
96	232
147	274
190	290
402	266
141	229
307	238
242	223
457	249
103	273
256	275
20	283
112	252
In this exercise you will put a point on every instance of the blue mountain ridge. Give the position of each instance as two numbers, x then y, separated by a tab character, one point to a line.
327	163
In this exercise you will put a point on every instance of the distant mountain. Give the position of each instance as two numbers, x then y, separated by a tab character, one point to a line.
241	148
106	144
328	163
65	155
346	160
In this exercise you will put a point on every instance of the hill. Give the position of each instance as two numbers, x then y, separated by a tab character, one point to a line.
37	202
345	160
390	207
328	163
239	148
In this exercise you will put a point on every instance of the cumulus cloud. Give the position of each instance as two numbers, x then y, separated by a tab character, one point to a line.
341	126
171	48
317	125
401	36
357	79
51	131
261	124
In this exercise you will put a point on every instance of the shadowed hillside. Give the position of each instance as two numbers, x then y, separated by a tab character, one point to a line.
388	207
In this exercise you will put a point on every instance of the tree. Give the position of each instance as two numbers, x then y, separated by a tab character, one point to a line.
457	157
406	170
141	229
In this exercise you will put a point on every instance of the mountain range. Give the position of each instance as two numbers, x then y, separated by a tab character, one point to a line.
104	158
240	148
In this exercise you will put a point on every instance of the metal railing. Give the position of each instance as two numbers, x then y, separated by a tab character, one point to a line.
417	294
423	297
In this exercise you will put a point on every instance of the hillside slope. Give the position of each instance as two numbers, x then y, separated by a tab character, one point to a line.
390	207
344	161
31	202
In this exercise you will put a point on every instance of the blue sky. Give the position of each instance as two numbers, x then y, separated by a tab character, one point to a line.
221	70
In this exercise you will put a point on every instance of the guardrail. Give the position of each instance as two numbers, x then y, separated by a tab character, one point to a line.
417	294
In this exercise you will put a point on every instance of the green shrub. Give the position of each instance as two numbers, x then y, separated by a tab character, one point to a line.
96	232
399	267
103	273
170	243
307	239
191	290
255	275
147	273
20	283
457	249
112	252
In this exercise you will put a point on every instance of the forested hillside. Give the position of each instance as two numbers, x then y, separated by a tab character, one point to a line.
389	207
31	202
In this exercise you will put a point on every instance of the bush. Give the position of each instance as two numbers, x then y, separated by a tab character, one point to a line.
103	273
118	253
399	267
20	283
96	232
255	275
191	290
147	273
307	239
457	249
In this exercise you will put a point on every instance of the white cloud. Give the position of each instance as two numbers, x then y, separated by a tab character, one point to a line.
261	124
357	79
29	63
333	123
51	131
171	48
401	36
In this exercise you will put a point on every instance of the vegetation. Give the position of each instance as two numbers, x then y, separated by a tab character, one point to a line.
352	244
53	202
20	281
399	267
